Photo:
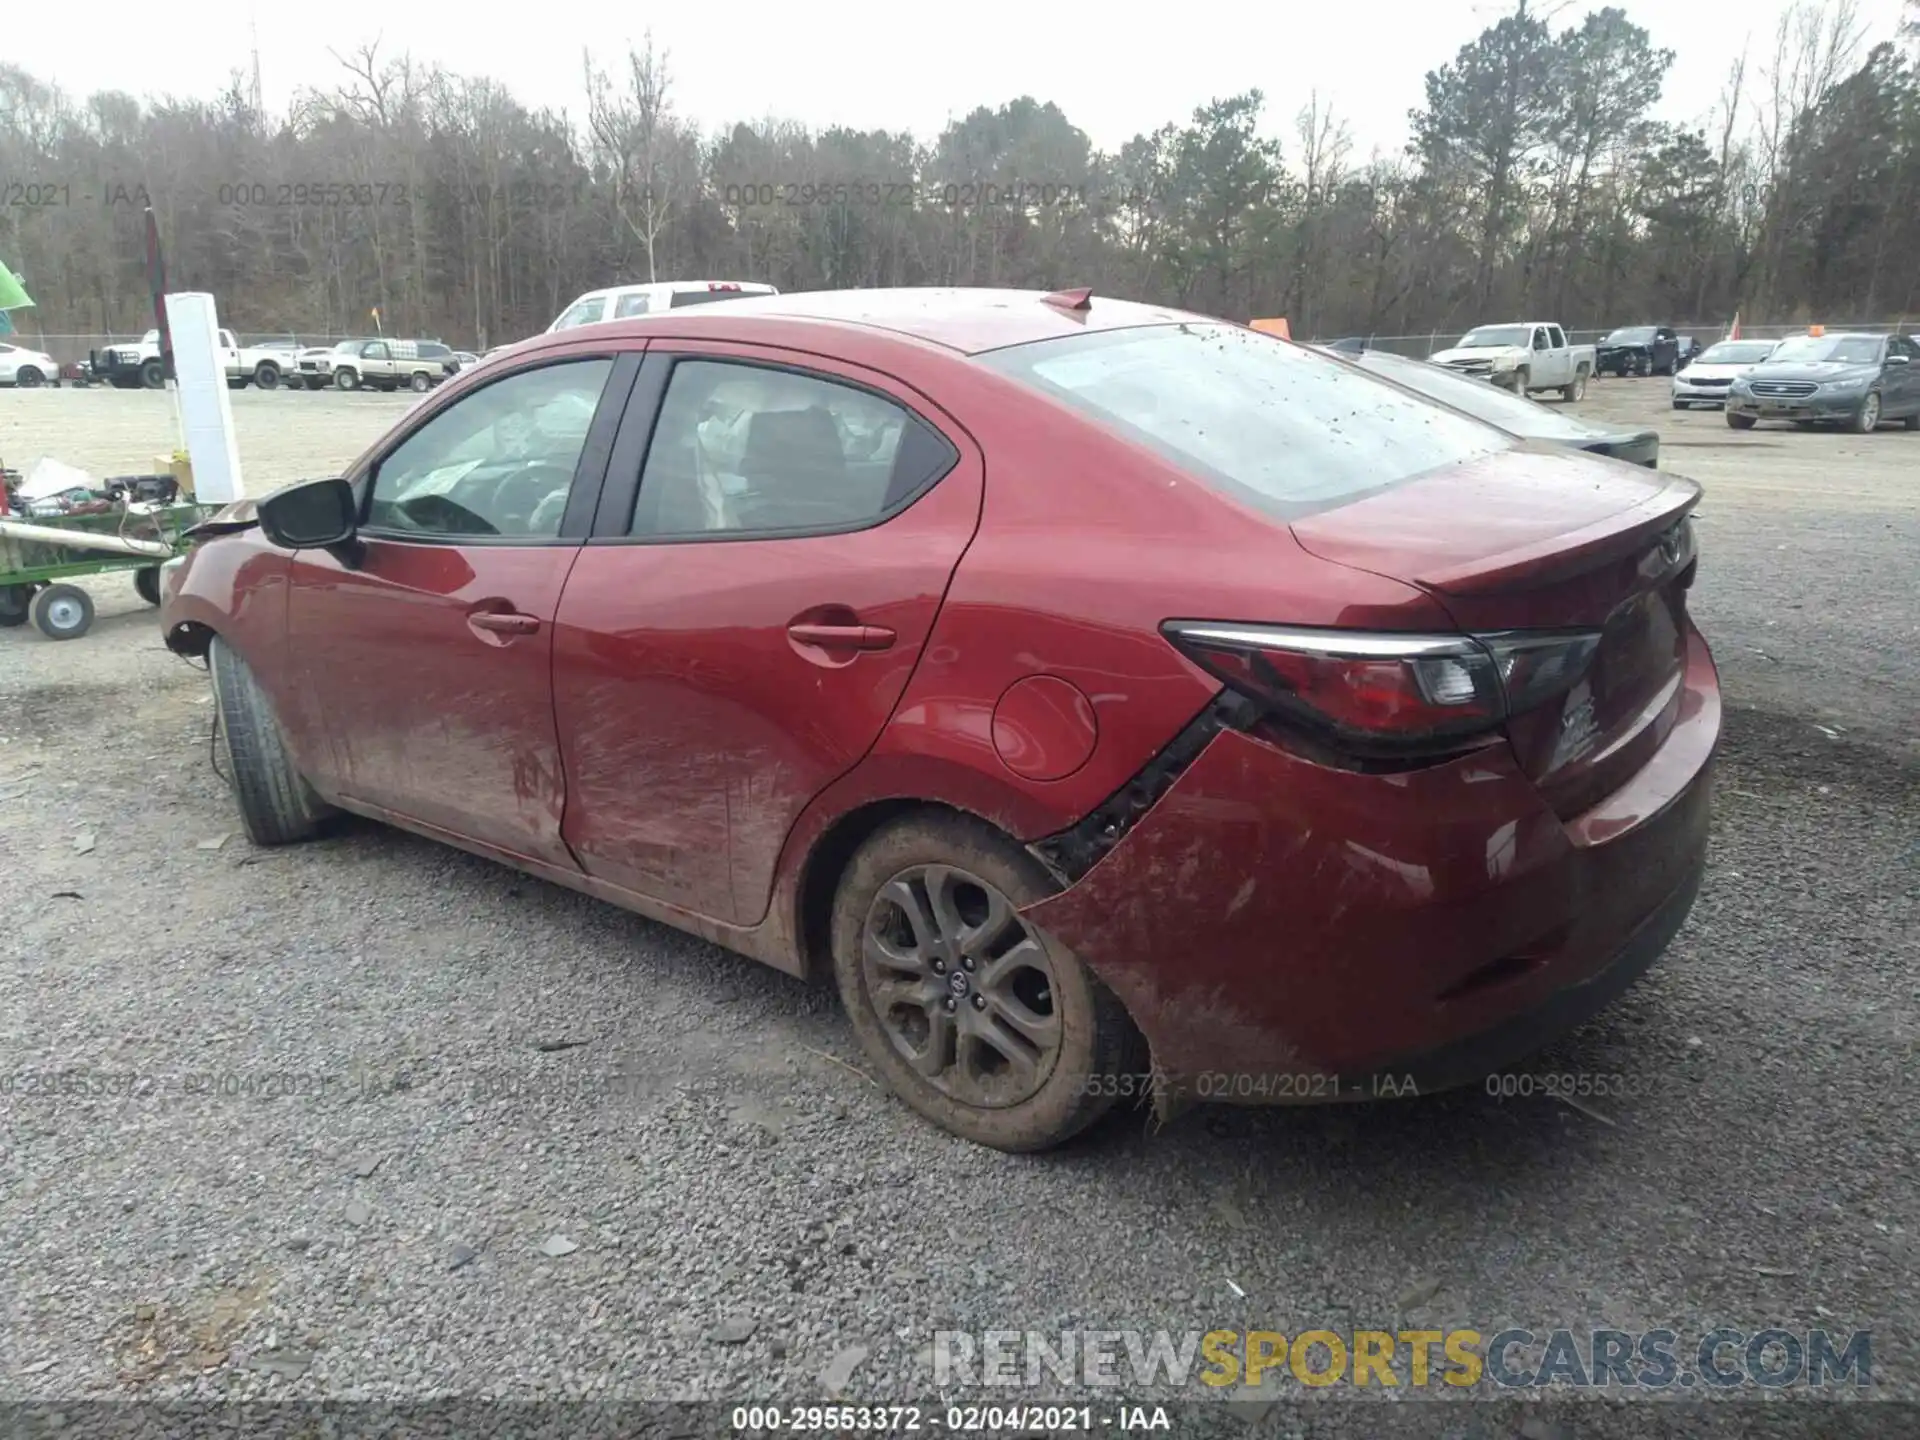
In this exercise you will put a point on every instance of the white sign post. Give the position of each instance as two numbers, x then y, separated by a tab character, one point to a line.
206	409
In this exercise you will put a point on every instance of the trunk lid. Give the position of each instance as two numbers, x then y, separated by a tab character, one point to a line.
1538	538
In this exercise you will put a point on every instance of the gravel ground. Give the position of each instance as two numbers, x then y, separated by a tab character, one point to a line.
401	1123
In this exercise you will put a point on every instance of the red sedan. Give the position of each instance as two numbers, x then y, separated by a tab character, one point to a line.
1110	699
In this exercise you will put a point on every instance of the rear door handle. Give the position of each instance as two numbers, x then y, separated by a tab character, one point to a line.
842	637
510	623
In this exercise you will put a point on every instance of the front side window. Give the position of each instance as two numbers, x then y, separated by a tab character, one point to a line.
745	449
497	463
1271	424
374	351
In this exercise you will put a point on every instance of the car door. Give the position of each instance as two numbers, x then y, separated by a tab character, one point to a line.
425	661
774	539
1901	389
1666	349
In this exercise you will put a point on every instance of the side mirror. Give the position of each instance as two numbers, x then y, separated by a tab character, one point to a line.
310	515
1898	360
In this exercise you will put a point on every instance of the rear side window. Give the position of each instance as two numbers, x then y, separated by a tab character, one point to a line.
1268	423
702	297
628	306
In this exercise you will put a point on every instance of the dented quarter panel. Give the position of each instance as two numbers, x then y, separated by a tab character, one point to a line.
1271	916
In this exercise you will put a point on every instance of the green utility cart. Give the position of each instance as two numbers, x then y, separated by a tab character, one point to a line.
34	568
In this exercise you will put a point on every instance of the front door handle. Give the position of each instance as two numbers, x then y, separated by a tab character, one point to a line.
511	622
842	637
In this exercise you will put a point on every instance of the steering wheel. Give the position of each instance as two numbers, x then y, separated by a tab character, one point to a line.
438	513
519	494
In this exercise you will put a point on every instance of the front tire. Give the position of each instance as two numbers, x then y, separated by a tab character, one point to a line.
347	379
153	375
16	605
276	804
1737	421
1866	419
146	583
977	1019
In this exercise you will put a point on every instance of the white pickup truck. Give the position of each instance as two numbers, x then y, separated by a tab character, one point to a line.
130	366
1524	357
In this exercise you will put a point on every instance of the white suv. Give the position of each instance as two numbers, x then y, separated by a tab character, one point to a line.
623	302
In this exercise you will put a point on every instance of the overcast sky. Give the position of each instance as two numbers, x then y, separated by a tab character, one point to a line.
1115	69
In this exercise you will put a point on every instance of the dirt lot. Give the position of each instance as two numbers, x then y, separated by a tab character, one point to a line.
373	1080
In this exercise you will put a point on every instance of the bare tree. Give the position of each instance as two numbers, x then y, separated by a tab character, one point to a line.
636	138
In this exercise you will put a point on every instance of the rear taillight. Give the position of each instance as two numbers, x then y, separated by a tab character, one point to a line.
1388	694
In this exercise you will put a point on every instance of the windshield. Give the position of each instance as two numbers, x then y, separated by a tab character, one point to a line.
1496	337
1476	397
1632	335
1273	425
343	346
1835	349
1736	352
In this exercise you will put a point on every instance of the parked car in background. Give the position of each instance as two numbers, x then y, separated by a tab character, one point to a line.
1425	698
463	358
1855	380
1639	350
624	302
26	368
1523	358
1705	381
377	364
1690	350
1513	413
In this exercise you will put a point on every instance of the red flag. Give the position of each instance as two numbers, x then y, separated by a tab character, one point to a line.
157	282
1733	330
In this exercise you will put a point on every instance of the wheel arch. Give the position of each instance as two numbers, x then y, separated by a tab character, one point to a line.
826	862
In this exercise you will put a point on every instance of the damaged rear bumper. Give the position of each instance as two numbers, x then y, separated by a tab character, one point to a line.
1283	932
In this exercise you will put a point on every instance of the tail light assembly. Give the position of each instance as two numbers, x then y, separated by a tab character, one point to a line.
1387	696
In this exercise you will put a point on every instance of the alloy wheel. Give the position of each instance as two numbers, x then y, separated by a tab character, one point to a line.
962	989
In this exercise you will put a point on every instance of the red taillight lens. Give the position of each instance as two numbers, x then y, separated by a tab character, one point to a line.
1390	693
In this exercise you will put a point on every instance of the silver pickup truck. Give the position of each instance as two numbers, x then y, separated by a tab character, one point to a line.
378	365
1524	357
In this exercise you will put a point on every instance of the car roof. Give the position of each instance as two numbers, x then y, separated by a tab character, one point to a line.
967	320
671	286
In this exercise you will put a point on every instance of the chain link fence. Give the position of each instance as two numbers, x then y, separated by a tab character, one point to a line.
73	349
1419	347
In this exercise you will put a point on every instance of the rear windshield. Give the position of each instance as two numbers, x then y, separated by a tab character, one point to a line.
702	297
1269	423
1478	398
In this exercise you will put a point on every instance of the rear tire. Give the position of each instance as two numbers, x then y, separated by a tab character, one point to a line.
63	612
28	377
964	966
1738	421
267	375
1912	422
420	383
1577	391
276	804
153	375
